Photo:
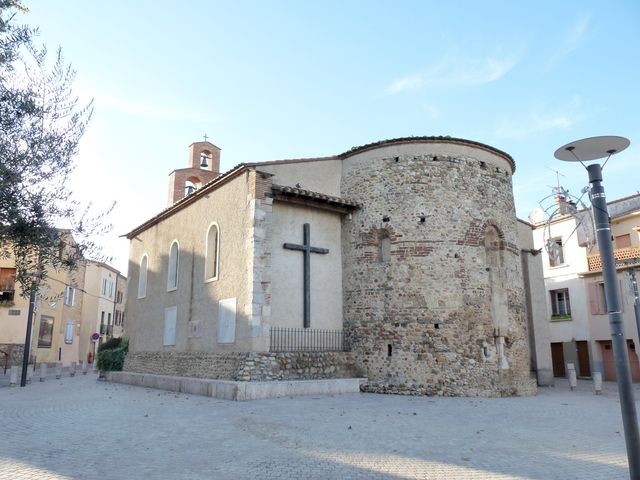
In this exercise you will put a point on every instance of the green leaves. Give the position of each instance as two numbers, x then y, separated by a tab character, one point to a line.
41	124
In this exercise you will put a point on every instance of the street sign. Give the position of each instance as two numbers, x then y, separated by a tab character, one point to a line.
95	337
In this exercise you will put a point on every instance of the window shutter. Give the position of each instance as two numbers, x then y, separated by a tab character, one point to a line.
554	302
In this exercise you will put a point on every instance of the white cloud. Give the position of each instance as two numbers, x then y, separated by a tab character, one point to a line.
454	71
573	38
145	110
541	119
140	109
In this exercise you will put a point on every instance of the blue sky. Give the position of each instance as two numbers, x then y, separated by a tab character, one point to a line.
274	79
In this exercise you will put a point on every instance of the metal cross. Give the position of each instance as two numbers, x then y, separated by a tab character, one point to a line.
307	250
205	137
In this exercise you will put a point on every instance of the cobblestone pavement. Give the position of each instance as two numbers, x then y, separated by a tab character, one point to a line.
78	428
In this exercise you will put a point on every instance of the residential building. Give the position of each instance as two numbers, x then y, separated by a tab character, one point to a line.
577	312
103	307
56	320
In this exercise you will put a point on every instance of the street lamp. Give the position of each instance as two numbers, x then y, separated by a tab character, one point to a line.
585	150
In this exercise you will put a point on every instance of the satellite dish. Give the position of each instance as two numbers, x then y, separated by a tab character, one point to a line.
536	215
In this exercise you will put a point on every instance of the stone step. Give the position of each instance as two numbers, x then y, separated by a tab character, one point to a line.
240	391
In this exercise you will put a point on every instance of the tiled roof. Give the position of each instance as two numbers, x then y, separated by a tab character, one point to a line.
429	139
319	197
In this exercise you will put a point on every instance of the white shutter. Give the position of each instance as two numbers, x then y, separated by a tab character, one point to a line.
170	325
227	320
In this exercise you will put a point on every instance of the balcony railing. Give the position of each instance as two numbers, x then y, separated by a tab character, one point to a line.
106	329
306	340
625	257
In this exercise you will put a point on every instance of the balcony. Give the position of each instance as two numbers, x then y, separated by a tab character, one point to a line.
625	257
7	292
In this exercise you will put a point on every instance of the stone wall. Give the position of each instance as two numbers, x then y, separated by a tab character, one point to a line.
433	291
244	366
12	354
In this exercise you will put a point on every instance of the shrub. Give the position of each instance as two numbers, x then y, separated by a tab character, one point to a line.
110	344
112	359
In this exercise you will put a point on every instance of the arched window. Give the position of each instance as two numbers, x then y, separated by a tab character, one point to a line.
493	247
189	188
213	253
172	275
142	277
384	247
191	184
205	158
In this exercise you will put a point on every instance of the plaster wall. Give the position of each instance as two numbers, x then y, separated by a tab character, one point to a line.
317	176
538	324
232	207
287	267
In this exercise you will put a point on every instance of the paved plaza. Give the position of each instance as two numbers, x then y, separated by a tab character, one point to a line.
79	428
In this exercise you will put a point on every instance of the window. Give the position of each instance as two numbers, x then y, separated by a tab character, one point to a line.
213	252
560	304
172	277
45	334
108	319
384	247
556	252
110	292
68	336
170	326
69	296
142	277
104	286
623	241
598	299
7	284
227	320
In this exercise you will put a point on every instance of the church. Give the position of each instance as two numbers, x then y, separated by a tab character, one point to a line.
400	261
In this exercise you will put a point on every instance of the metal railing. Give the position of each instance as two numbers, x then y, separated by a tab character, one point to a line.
306	340
106	329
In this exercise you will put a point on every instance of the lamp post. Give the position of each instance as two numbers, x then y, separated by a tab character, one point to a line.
27	341
585	150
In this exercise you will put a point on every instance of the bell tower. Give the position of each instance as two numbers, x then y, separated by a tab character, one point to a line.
204	166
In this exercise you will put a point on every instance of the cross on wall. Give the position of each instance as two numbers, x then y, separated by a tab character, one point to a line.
307	250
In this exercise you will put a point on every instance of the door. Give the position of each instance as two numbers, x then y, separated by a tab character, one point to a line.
584	365
609	362
557	359
633	361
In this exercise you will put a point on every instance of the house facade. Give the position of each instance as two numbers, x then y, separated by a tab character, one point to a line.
56	321
577	312
400	261
103	307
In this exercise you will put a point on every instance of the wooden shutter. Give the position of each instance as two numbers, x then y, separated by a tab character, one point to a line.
594	303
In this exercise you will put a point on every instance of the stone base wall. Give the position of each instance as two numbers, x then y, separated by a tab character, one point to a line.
13	353
244	366
297	366
419	359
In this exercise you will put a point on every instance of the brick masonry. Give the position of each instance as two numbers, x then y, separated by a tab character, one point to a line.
429	317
